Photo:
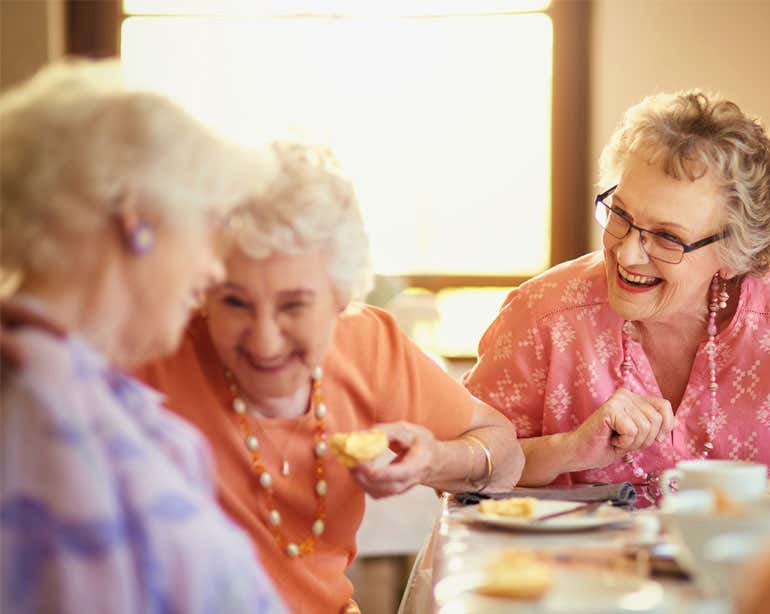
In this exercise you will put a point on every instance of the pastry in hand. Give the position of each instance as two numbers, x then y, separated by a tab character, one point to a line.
352	448
516	507
516	574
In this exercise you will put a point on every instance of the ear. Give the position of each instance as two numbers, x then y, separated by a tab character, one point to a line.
727	273
137	235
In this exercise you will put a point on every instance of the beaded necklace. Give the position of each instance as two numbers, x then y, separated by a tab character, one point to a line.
251	441
719	298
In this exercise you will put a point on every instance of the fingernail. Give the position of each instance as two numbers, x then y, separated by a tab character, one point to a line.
661	437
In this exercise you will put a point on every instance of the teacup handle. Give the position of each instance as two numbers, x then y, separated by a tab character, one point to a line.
669	476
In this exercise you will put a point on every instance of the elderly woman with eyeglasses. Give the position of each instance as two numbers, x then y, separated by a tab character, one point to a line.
620	363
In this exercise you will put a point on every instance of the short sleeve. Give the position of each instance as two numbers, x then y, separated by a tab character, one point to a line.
511	370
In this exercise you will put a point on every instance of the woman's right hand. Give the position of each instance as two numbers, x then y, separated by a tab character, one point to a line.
624	423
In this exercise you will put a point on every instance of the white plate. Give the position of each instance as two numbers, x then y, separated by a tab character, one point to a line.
579	521
575	591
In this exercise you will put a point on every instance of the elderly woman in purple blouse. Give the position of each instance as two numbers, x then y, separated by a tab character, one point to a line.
111	202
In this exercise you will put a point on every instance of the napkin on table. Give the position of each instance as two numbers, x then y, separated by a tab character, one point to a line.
619	494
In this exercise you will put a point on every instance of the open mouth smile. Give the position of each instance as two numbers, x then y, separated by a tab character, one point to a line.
636	281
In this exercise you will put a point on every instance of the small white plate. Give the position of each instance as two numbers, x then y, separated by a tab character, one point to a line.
579	521
575	591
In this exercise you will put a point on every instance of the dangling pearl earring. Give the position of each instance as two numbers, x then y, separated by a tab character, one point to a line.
141	239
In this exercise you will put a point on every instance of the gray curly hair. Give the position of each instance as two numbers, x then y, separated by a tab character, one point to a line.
309	204
691	134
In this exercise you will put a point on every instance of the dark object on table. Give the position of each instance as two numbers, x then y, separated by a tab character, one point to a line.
621	494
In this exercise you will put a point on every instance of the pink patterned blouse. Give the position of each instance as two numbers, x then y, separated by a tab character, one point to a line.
553	355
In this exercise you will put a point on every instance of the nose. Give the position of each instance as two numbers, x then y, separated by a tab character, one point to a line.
264	338
630	249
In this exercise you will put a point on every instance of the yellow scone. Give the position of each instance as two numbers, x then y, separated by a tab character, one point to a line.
517	575
518	507
352	448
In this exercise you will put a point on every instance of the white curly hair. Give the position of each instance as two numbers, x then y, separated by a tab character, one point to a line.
76	138
308	205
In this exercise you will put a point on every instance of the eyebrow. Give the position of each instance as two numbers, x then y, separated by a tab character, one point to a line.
672	225
292	293
232	286
297	293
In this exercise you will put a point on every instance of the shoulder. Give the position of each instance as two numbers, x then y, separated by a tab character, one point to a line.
365	323
569	286
756	291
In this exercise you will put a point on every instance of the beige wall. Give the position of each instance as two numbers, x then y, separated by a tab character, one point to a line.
31	34
645	46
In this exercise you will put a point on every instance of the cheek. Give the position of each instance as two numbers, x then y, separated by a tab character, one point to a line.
317	334
225	332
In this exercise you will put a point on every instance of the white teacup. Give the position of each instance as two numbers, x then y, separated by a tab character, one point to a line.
714	546
736	480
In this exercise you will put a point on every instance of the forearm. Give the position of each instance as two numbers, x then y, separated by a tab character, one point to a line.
461	464
548	457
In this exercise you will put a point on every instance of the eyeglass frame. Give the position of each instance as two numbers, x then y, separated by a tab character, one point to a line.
686	248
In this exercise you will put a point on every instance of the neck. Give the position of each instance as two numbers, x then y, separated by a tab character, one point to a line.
91	306
291	406
688	325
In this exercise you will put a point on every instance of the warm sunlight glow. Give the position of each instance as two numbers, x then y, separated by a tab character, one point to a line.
464	315
443	123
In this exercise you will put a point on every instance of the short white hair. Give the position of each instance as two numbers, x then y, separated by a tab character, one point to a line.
76	138
308	205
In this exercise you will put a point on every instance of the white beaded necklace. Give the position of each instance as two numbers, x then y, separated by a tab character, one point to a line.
719	298
320	447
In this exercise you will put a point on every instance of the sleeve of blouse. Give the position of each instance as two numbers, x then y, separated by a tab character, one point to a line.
511	370
408	385
76	535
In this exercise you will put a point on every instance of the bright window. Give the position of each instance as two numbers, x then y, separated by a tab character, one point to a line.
442	118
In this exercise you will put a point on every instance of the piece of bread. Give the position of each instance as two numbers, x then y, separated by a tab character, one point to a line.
352	448
517	507
516	574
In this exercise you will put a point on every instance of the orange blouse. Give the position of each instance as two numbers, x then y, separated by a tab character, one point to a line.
372	373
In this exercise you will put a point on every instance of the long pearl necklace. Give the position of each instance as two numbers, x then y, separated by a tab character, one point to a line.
251	441
717	302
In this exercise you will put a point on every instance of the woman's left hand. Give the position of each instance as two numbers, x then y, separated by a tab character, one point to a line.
415	448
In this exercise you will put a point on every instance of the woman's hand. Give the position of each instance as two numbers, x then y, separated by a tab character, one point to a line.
415	448
624	423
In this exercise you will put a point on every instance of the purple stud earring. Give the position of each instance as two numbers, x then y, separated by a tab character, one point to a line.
141	239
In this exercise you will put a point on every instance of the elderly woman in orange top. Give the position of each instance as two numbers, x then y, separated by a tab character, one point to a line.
280	359
618	364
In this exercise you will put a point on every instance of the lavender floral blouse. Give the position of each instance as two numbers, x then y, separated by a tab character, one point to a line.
106	500
553	355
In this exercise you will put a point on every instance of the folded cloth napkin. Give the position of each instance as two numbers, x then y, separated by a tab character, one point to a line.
620	494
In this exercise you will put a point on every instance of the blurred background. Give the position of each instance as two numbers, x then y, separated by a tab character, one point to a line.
471	129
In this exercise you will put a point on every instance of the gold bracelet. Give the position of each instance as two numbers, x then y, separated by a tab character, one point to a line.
490	466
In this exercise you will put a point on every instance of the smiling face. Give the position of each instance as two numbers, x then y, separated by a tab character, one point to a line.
644	289
271	321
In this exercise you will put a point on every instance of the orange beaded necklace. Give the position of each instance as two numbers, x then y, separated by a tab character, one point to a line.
251	441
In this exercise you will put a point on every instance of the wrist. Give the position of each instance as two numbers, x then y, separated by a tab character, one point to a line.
575	451
478	485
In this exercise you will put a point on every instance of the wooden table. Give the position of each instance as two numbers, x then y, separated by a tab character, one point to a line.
457	550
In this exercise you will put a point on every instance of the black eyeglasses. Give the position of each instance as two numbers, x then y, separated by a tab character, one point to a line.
657	245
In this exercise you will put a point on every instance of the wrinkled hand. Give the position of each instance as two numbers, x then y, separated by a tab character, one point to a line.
14	316
415	448
624	423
